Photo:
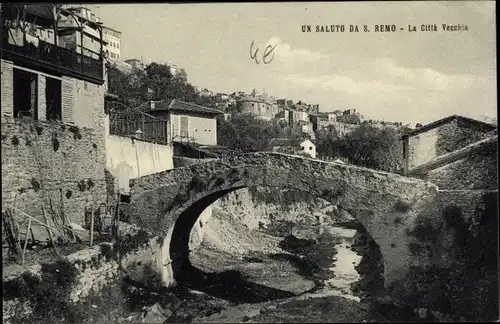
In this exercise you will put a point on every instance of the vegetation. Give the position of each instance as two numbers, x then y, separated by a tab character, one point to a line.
154	83
366	146
469	288
246	133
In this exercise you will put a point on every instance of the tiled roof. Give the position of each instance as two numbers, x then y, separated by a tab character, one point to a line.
284	142
178	105
449	119
280	142
191	107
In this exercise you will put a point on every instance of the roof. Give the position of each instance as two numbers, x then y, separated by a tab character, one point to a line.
253	99
132	59
449	119
280	142
41	10
112	29
181	106
178	105
284	142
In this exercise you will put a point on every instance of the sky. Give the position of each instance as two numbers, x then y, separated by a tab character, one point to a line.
411	77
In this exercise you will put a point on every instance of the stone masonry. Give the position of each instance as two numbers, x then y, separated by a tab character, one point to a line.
387	205
49	164
471	168
426	146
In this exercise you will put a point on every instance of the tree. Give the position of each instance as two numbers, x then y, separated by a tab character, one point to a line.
129	87
328	142
158	80
181	76
374	148
245	133
156	83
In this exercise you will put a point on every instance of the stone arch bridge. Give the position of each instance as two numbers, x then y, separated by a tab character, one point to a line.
168	203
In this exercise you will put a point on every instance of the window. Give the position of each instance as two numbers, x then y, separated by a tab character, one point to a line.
53	99
117	56
310	148
25	94
184	126
117	45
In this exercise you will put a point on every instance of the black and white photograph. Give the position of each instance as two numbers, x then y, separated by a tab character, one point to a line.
249	162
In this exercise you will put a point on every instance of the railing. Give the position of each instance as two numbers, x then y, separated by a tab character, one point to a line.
125	121
55	56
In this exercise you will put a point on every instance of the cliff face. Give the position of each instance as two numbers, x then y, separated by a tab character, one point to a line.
252	208
256	206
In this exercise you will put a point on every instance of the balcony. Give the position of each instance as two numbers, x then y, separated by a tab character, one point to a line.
46	55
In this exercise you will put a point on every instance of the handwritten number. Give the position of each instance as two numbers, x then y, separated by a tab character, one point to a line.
267	52
269	49
254	55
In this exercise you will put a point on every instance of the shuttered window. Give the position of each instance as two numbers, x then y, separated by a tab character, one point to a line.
68	101
184	126
7	89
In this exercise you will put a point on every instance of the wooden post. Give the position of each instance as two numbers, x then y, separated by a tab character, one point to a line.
65	217
28	229
50	233
142	126
55	14
11	233
116	221
92	224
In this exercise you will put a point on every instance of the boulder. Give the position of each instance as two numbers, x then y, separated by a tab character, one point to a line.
156	314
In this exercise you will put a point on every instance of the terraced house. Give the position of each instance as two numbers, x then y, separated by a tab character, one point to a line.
52	107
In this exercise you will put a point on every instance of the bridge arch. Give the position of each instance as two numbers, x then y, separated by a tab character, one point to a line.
169	203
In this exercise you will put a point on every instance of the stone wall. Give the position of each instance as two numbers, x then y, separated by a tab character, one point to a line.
460	235
60	288
478	170
56	164
427	146
50	164
182	161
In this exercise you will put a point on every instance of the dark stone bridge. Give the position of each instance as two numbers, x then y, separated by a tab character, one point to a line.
387	205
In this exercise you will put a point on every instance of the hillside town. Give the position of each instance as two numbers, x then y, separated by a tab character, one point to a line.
86	130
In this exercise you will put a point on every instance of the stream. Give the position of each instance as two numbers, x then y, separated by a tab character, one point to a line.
304	275
327	261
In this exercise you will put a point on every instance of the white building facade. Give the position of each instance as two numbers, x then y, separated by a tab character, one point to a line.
113	39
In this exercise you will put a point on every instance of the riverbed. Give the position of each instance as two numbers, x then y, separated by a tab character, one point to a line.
306	279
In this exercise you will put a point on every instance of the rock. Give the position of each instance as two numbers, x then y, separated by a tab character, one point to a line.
172	302
267	308
156	314
422	313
